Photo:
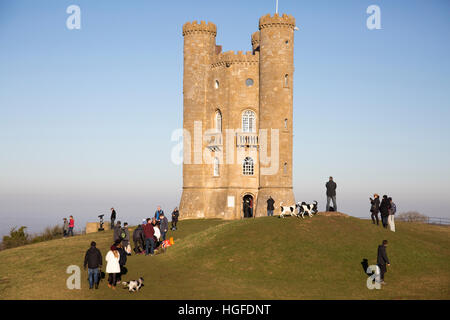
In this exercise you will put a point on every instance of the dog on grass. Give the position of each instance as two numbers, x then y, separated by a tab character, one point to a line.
134	285
305	208
287	210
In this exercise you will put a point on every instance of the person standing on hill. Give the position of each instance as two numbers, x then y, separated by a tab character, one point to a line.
331	193
163	226
149	240
384	209
158	213
71	226
112	267
138	239
93	260
392	210
113	217
125	236
375	208
65	227
117	231
382	260
270	207
175	215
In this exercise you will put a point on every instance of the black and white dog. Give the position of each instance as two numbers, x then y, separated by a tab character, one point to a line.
287	210
309	209
134	285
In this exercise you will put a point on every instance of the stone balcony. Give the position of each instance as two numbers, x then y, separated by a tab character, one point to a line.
214	140
247	139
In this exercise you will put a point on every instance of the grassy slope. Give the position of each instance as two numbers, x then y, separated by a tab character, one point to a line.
264	258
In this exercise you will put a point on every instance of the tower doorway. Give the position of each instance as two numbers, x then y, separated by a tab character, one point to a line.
248	206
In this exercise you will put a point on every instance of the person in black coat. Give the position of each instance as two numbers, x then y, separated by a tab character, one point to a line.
270	207
138	239
113	217
382	260
375	208
122	260
93	260
175	215
331	194
384	210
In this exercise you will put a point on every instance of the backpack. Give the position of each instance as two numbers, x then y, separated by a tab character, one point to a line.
122	234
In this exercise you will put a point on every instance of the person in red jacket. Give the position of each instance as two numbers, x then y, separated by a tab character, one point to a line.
149	233
71	226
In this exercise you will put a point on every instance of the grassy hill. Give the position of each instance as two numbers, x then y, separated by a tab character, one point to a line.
264	258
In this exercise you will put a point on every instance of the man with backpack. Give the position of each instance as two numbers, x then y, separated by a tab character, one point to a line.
125	236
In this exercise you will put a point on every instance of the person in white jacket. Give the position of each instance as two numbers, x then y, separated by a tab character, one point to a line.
112	267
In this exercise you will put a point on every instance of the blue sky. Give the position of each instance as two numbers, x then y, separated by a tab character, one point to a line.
86	116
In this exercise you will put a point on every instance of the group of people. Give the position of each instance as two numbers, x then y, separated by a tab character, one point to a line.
386	208
68	226
147	238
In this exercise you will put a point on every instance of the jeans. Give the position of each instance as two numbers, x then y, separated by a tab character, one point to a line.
163	235
93	275
70	232
334	203
374	214
149	246
384	220
269	213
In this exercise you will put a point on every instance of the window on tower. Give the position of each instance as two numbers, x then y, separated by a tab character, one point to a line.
248	121
216	167
218	120
248	167
286	81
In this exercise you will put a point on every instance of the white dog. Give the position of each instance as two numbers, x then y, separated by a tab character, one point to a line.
309	209
134	285
287	210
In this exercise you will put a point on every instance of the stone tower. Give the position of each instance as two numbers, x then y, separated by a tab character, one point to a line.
237	121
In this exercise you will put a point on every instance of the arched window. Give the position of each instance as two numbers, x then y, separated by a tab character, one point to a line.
286	80
247	166
218	120
216	167
285	168
248	121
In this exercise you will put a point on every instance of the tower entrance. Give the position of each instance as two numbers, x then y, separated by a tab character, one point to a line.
248	206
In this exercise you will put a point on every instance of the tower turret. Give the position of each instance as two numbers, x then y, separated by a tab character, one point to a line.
276	68
199	49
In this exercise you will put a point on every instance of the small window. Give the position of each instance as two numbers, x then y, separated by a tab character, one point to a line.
247	167
285	123
287	42
218	121
285	170
216	84
286	80
249	82
248	121
216	167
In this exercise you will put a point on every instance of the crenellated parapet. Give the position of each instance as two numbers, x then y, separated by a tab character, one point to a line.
230	57
255	39
286	21
202	27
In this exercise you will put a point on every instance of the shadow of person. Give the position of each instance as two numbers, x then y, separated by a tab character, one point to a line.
365	265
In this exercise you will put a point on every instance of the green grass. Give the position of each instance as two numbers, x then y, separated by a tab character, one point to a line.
264	258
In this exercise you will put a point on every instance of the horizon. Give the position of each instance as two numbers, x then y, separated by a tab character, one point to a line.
86	116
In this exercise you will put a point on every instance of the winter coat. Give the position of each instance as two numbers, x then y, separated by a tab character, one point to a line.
164	224
158	214
66	225
270	203
148	231
331	188
71	223
175	215
113	215
382	257
117	232
138	234
123	256
112	263
393	209
127	234
93	258
384	207
375	205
